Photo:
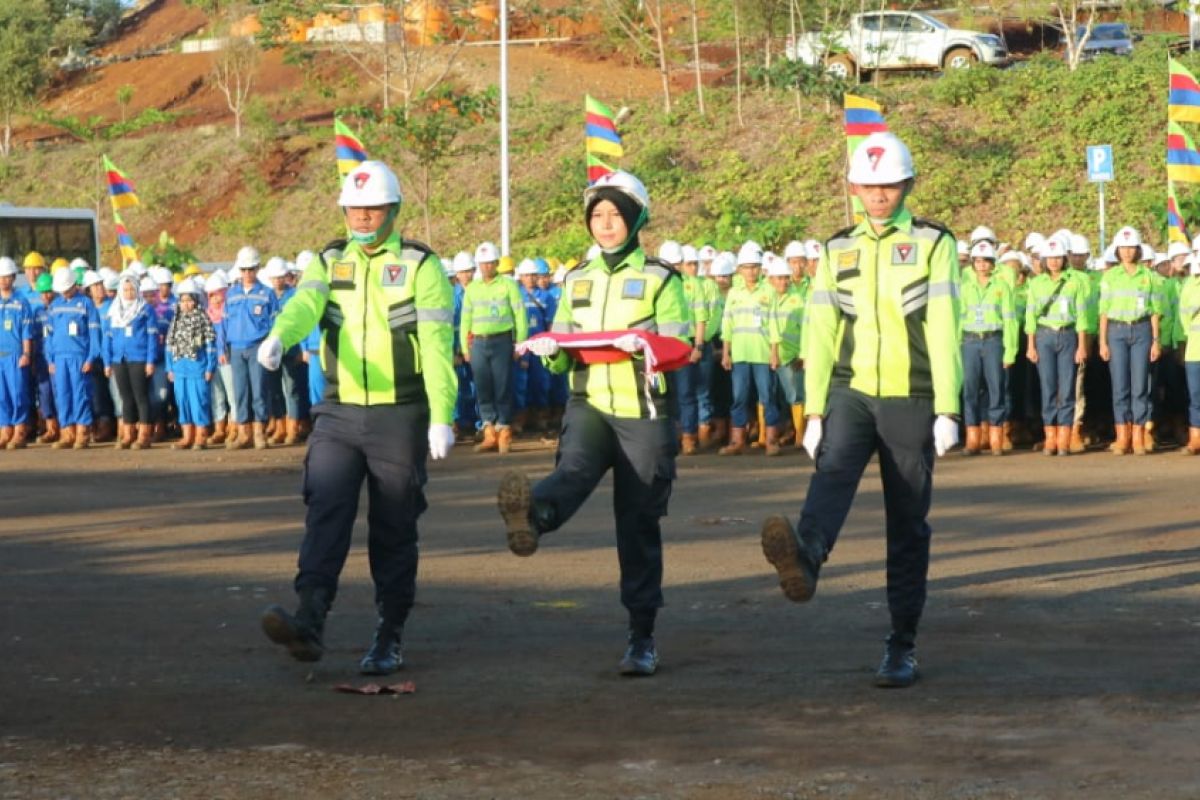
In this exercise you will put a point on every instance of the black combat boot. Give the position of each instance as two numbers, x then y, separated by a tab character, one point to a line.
641	657
384	657
302	633
524	518
898	670
797	560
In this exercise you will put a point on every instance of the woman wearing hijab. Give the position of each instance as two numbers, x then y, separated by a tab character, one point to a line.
129	350
191	362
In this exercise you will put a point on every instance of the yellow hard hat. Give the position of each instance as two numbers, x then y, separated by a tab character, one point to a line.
191	270
34	259
506	265
571	263
59	263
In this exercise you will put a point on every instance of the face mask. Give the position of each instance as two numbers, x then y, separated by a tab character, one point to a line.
367	239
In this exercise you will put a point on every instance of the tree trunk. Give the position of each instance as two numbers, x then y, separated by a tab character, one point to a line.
795	59
696	58
656	20
737	49
425	204
6	145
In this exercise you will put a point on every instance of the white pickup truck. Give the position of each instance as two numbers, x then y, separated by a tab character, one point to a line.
896	40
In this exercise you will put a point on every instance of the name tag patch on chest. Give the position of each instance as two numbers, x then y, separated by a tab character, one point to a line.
633	289
904	254
394	274
581	290
847	260
343	272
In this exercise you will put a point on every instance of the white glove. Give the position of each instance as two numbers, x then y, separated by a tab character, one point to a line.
945	434
812	437
629	342
270	353
441	439
542	346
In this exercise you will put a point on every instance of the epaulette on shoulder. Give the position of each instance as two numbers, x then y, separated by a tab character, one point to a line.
922	222
333	251
844	233
667	269
413	244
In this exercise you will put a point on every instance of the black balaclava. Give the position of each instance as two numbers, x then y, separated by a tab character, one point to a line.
631	213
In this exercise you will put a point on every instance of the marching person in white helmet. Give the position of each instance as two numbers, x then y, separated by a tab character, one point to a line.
386	313
883	376
250	308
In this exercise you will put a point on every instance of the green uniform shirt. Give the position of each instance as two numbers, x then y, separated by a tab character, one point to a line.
716	309
638	294
787	322
1066	310
491	308
744	325
1130	298
1187	318
989	308
1168	307
696	296
387	325
883	316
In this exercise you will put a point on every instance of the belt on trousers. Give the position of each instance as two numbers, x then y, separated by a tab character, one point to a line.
1056	330
982	334
507	333
1129	323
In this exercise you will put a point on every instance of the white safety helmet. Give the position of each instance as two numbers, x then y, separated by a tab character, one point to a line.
215	282
8	267
795	249
670	252
527	267
1054	247
1160	259
1080	246
984	249
187	286
247	258
1110	254
689	254
161	275
112	282
962	248
1194	265
880	159
1147	252
1128	237
750	253
593	252
90	279
706	253
623	182
304	258
371	183
1012	256
107	272
64	279
462	262
776	266
813	248
723	265
486	253
1034	241
136	267
1196	244
276	268
1177	249
79	263
147	284
983	234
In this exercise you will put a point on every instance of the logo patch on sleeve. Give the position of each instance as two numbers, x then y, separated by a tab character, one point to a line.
343	272
904	254
394	274
633	289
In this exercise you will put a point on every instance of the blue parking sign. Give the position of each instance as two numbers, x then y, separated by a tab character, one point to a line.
1100	163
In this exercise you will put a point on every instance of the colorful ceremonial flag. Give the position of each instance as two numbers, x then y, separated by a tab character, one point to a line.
120	188
601	130
862	118
1183	101
1176	228
1183	161
350	150
597	169
124	241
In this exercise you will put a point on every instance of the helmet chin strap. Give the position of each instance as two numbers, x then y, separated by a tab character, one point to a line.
367	239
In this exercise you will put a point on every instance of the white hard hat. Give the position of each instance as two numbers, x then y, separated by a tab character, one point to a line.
795	249
750	253
881	159
1080	246
1034	241
1194	265
8	267
623	182
670	252
1054	247
112	282
689	254
161	275
593	252
1128	237
147	285
776	266
1196	243
91	278
706	253
723	265
1147	252
247	257
527	267
983	233
486	253
107	272
371	183
215	282
984	249
304	258
962	247
1177	249
292	268
463	262
1110	254
64	278
76	263
1064	233
275	268
1161	258
813	248
1012	255
187	286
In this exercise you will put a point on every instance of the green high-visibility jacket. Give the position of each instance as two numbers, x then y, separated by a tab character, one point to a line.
1130	298
492	307
716	309
1187	317
1049	306
989	308
1168	305
883	315
697	301
639	294
387	325
745	323
787	322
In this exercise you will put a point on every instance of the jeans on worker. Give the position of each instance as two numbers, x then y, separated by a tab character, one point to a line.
704	382
1056	374
250	386
983	369
1192	369
900	431
1129	365
293	385
491	364
760	376
222	392
791	384
687	386
466	412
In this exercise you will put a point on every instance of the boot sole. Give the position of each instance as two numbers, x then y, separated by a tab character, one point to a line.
782	550
636	670
513	498
375	668
275	625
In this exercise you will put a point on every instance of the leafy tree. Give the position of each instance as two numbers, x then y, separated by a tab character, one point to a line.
26	30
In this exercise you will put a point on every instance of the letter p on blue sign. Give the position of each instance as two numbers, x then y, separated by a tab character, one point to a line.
1100	163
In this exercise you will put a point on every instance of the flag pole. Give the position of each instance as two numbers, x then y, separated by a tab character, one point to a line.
504	198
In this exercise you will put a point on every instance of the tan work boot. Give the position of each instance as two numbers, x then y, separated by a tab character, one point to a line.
737	443
231	436
126	436
185	441
201	436
20	438
1121	445
772	448
279	433
1064	440
489	442
996	440
720	433
105	431
6	435
145	437
292	429
81	437
1138	440
985	433
705	435
259	435
66	438
974	437
1075	444
1192	448
688	444
219	428
1007	441
245	438
51	434
1148	436
1050	445
504	438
